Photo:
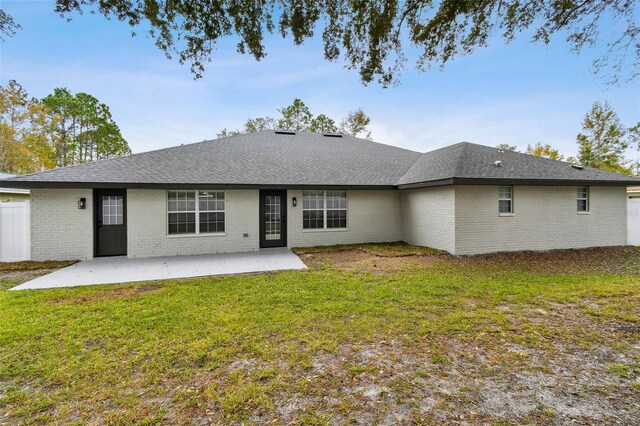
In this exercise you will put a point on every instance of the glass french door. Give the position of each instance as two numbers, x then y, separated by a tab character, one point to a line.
273	218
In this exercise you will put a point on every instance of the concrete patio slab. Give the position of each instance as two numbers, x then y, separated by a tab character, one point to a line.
112	270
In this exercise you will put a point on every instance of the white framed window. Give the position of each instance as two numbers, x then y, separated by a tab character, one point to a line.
505	200
583	199
313	210
195	212
324	210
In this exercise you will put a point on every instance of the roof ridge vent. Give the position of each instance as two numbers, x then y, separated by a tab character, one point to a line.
284	132
577	166
331	135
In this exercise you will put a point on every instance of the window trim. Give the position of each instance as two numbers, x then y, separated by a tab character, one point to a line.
587	199
324	211
511	204
197	214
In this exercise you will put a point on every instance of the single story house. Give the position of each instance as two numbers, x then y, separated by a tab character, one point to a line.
12	195
292	189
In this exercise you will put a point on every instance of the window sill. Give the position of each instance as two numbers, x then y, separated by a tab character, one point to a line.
207	234
326	230
584	212
506	214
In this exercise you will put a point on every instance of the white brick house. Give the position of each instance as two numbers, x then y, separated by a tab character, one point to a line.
271	189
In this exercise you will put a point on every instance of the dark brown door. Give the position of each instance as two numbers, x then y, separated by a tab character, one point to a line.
111	222
273	218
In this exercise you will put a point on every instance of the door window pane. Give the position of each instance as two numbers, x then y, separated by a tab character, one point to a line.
273	217
112	210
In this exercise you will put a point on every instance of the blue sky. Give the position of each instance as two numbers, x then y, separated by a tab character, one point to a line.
518	93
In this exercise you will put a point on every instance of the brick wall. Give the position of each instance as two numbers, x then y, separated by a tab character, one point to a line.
545	217
460	219
428	217
59	230
372	216
147	226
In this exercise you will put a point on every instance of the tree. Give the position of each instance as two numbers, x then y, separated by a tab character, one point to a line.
298	118
507	147
371	35
259	124
226	133
84	129
8	26
355	123
24	146
634	135
603	140
323	124
540	150
60	130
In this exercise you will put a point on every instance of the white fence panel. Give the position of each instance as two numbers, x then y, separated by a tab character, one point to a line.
633	221
14	232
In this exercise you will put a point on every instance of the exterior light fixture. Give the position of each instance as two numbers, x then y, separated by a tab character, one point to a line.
294	202
82	203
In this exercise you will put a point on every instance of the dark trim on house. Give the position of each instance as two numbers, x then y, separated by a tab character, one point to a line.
107	185
439	182
532	182
204	186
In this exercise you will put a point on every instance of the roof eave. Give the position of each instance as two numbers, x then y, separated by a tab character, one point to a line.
170	185
502	181
7	190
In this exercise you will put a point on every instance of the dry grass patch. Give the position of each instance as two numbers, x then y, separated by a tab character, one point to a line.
602	260
110	293
34	266
364	261
397	249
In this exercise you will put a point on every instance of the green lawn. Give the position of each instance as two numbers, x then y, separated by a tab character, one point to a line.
372	334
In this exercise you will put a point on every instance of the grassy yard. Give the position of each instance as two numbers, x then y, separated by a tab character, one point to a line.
373	334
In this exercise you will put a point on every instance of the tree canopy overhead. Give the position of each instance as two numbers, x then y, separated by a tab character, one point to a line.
372	35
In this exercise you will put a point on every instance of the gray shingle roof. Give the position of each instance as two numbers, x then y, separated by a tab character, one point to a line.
311	159
262	158
471	162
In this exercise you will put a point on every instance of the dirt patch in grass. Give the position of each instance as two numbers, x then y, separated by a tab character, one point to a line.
110	294
600	260
603	260
12	278
15	273
438	381
477	378
398	249
33	266
362	261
